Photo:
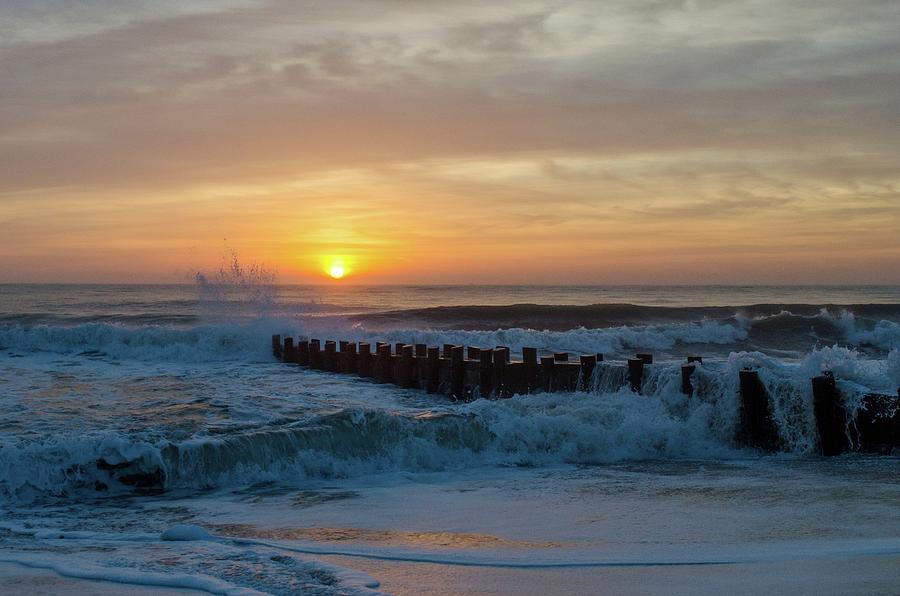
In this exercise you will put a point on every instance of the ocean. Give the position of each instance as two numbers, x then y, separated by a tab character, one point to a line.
149	438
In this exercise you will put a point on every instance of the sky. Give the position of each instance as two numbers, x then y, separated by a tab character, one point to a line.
603	142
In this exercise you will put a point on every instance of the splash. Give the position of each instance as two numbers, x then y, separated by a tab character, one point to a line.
236	289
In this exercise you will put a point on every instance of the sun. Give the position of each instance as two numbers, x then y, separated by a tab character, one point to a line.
336	266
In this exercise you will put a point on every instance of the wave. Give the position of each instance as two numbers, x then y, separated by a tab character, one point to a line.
606	424
202	343
532	431
782	333
563	317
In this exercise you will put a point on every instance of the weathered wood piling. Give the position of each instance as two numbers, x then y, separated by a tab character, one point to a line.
465	372
757	428
636	373
873	427
831	418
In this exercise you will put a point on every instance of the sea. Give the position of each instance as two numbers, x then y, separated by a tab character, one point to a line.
150	440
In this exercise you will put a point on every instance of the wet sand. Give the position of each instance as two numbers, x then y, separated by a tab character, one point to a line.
869	576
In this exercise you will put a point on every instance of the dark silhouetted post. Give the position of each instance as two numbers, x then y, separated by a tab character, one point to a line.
588	362
351	362
276	345
383	363
530	361
457	372
486	359
561	357
434	370
302	350
315	354
548	363
448	349
505	350
498	372
407	353
329	358
878	422
473	353
686	372
831	418
364	360
635	373
757	427
288	355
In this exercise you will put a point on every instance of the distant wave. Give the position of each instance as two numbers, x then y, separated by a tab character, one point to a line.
562	317
772	329
202	343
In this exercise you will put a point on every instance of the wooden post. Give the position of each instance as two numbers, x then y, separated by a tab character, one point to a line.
383	363
473	353
831	418
340	360
529	359
514	379
547	366
486	358
447	350
364	360
561	357
351	360
599	357
302	350
434	370
457	372
276	346
288	354
878	422
420	366
757	429
635	373
315	354
686	372
588	362
647	358
505	350
407	353
498	372
329	358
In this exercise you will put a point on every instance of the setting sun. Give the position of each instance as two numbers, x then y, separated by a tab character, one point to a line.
336	271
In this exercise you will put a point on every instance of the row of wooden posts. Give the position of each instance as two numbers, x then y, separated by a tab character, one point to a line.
466	372
460	372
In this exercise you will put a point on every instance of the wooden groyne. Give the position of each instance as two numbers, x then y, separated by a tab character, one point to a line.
467	372
460	372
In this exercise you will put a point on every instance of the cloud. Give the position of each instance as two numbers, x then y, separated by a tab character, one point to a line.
570	118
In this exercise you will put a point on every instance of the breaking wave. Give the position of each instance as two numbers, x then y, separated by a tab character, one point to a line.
607	423
781	333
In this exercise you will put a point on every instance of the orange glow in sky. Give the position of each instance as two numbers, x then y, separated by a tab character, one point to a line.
539	142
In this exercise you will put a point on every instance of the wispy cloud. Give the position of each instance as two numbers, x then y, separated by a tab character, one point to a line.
661	129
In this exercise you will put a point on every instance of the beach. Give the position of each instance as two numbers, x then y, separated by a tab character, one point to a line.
151	442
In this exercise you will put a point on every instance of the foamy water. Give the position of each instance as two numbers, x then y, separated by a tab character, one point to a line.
151	425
